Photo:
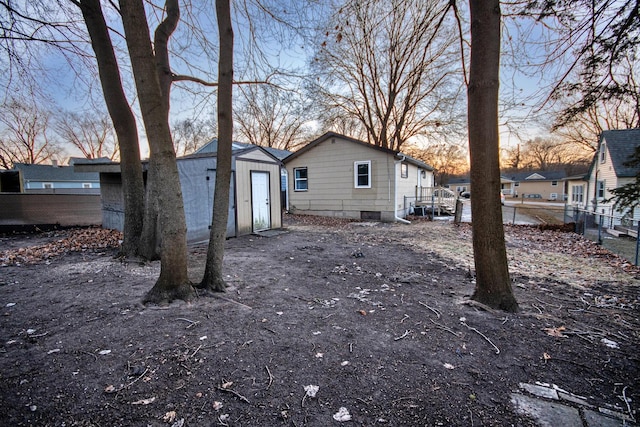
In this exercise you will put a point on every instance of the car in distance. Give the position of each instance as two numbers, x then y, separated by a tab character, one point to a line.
532	196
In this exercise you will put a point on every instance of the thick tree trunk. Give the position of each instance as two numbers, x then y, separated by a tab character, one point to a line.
213	279
123	121
493	286
173	282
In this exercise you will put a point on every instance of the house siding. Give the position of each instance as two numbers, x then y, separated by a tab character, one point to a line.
331	190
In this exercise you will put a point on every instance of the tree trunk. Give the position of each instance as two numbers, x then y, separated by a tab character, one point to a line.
493	286
173	282
213	279
123	121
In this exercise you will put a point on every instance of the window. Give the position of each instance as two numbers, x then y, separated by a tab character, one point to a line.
404	170
600	189
301	181
577	193
362	174
516	184
554	183
47	185
603	153
86	185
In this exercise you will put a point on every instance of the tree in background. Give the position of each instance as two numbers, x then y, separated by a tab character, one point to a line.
269	116
493	286
546	154
191	134
26	136
387	65
91	133
448	159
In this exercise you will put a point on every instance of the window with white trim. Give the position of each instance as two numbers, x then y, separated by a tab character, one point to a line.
404	170
603	153
554	183
301	179
86	185
47	185
362	174
577	193
601	189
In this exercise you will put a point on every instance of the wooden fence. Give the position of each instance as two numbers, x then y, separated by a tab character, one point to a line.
20	209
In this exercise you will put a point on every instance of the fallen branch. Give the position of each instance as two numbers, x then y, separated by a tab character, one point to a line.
234	302
406	334
192	323
626	401
445	328
432	309
270	377
241	397
483	336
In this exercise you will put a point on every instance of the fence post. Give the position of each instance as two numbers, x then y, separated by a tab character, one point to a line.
637	243
600	223
515	208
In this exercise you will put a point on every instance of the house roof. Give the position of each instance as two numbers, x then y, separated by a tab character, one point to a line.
621	145
212	147
536	176
330	135
45	173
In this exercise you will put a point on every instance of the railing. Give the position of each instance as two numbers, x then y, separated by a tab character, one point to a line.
438	199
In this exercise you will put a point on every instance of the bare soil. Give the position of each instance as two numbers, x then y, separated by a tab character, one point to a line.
375	315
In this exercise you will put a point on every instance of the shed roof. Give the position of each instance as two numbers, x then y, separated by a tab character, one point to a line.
212	147
330	135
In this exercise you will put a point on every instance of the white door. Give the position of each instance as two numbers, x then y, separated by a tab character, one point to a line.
260	201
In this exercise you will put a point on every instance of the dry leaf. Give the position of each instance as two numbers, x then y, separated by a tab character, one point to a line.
556	332
227	384
169	417
109	389
144	401
546	356
364	313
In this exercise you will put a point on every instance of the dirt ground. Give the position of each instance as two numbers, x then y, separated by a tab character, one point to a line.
328	323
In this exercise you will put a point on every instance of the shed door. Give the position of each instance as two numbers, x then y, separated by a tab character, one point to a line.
260	200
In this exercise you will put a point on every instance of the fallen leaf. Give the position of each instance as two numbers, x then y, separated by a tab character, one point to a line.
449	366
546	356
311	390
556	332
109	389
227	384
342	415
169	417
144	401
364	313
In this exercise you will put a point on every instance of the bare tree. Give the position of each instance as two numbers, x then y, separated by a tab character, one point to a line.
213	279
91	133
388	65
190	134
173	282
493	286
26	134
446	158
123	121
271	117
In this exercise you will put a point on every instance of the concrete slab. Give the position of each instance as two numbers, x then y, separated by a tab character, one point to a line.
595	419
546	414
540	391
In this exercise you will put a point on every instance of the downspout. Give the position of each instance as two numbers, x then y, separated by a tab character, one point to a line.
395	192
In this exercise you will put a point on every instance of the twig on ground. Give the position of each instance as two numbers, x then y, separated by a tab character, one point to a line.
445	328
626	401
195	351
192	323
536	307
406	316
270	377
483	336
228	390
90	354
406	333
234	302
480	305
432	309
135	381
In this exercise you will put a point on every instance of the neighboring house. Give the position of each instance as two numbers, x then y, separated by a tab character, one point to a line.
576	187
339	176
548	184
49	179
463	184
608	171
254	199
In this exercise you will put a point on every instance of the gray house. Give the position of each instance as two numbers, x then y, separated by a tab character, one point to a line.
49	179
254	200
